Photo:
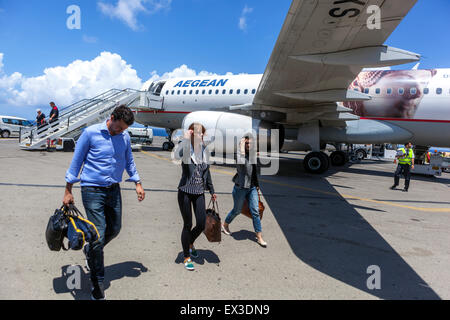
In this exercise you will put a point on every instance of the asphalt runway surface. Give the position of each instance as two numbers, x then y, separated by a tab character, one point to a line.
341	235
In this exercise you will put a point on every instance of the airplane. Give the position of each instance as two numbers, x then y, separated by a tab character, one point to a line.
316	88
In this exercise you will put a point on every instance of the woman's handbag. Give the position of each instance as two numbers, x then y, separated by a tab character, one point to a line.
213	225
246	210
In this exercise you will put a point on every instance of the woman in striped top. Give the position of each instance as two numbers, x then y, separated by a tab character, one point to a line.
195	179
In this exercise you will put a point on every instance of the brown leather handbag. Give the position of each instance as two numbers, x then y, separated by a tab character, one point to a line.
246	210
213	225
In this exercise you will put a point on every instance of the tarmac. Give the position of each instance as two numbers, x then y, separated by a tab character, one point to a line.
340	235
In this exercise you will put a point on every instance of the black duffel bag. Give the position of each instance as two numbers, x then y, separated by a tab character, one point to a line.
57	229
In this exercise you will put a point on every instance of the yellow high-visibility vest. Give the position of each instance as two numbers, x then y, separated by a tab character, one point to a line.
407	159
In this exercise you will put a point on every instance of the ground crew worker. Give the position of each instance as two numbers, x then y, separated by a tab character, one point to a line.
405	158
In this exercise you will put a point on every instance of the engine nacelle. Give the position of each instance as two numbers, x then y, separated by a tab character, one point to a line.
224	130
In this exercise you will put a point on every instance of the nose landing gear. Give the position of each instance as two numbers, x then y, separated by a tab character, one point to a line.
168	145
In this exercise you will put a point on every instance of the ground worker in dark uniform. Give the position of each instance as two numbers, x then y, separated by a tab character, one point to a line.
405	158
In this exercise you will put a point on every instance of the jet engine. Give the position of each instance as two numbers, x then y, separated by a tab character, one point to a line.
224	130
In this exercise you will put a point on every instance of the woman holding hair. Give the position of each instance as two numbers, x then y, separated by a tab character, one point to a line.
246	187
195	179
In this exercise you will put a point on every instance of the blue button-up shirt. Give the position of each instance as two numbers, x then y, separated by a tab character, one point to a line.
105	157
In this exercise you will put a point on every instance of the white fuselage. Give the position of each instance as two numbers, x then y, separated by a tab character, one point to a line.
429	125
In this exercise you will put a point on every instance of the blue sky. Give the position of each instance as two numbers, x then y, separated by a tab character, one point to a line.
216	36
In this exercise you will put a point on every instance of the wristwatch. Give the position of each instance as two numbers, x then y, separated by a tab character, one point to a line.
139	182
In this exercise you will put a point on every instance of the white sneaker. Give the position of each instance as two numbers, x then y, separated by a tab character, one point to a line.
225	231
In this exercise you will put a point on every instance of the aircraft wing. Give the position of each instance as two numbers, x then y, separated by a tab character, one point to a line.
322	47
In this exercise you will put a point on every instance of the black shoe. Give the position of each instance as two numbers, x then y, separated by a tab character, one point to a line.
98	291
393	187
405	190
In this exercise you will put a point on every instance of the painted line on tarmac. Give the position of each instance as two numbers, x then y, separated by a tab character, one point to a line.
345	196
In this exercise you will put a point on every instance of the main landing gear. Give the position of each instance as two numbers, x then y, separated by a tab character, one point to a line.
319	162
316	162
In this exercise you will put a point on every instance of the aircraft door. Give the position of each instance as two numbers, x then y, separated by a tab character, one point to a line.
156	102
154	98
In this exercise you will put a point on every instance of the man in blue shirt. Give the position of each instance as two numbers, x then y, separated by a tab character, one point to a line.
105	151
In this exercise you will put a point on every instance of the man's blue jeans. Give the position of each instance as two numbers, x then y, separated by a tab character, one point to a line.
239	195
104	209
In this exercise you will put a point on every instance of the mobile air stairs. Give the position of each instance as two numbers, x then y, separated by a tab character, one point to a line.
74	118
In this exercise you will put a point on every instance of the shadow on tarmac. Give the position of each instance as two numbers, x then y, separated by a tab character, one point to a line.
204	256
380	173
114	272
332	237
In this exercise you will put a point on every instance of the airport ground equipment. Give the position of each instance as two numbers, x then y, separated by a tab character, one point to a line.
74	118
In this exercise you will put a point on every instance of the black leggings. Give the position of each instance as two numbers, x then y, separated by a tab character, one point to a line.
189	235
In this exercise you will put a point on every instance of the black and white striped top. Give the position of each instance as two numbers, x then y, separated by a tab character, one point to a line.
195	185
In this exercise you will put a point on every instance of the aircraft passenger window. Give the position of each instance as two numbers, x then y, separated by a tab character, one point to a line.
401	91
210	92
238	91
231	91
439	90
246	91
378	91
217	91
173	92
178	92
190	92
167	92
253	91
224	91
204	91
389	91
196	91
426	91
366	90
413	90
184	92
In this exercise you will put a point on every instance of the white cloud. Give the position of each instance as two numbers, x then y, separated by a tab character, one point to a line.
80	80
243	18
128	10
68	84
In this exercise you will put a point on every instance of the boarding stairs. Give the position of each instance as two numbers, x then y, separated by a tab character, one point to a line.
74	118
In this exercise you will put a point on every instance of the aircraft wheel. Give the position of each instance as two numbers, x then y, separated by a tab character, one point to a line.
328	159
316	162
338	158
166	146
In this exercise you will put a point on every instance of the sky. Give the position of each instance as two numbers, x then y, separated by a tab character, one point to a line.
129	43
